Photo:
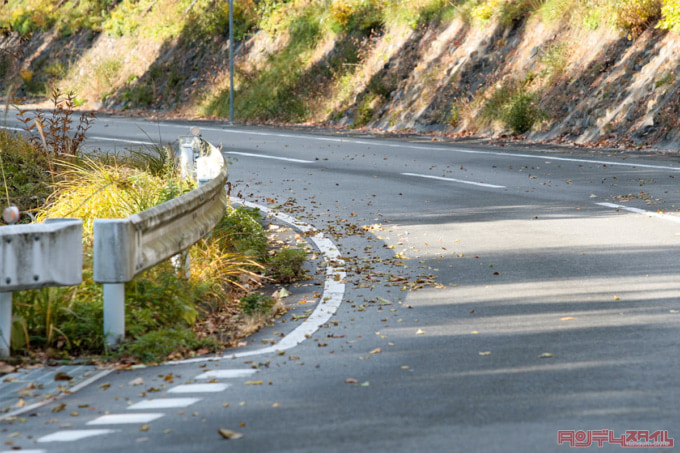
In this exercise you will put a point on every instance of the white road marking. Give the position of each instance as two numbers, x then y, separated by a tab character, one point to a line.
199	388
225	374
461	181
658	215
119	419
443	148
24	451
331	299
78	434
164	403
121	140
264	156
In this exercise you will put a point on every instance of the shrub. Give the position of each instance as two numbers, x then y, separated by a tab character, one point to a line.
510	104
26	178
634	15
287	265
256	304
671	15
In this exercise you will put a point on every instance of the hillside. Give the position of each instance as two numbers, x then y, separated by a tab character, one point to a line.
595	72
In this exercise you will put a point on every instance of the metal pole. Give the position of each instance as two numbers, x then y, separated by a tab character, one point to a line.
114	313
231	61
5	323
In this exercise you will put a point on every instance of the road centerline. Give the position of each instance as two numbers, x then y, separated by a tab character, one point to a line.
460	181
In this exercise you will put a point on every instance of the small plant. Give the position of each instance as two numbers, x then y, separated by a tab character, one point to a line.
166	343
287	265
512	105
634	16
256	304
54	133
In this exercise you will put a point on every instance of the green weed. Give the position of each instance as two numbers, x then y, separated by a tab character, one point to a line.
287	265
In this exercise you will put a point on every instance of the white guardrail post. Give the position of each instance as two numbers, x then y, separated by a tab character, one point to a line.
123	248
36	256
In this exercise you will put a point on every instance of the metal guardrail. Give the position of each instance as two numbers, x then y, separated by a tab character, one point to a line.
50	254
123	248
36	256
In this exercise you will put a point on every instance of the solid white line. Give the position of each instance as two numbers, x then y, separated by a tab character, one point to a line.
264	156
225	374
119	419
133	142
68	436
164	403
331	299
658	215
481	184
199	388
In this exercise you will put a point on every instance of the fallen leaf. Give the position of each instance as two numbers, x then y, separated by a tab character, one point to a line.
59	407
138	381
253	382
376	351
229	434
21	403
567	318
420	332
351	381
74	414
145	428
617	298
61	376
546	355
105	386
364	384
484	352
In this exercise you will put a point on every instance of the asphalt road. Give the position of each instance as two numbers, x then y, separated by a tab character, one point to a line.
495	297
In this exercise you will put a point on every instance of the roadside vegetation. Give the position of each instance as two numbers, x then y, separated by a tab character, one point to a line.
303	60
168	315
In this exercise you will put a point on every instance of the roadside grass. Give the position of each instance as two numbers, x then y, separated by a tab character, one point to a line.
166	312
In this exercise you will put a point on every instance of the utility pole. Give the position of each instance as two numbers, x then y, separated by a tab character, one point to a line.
231	61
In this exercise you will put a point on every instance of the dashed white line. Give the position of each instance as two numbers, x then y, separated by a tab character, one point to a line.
78	434
120	419
225	374
658	215
164	403
460	181
265	156
199	388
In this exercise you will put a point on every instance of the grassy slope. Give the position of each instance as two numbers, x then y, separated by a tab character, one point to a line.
596	71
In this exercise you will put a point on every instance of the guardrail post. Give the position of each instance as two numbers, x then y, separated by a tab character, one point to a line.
5	323
114	313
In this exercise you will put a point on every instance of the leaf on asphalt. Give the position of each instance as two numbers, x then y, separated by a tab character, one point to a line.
567	318
276	405
376	351
61	376
253	382
21	403
405	367
420	332
383	301
145	428
74	414
229	434
138	381
617	298
546	355
104	386
281	293
59	407
351	381
365	384
484	352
